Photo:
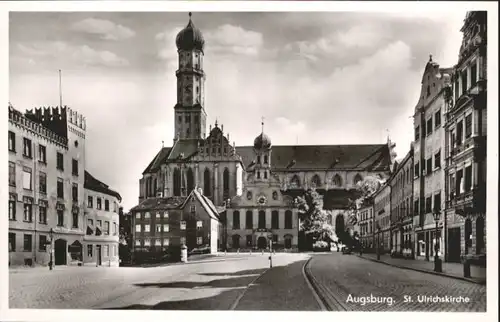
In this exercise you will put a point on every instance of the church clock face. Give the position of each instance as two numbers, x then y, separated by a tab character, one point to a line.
262	200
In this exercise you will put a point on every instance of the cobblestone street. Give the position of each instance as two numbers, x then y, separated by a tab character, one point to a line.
345	277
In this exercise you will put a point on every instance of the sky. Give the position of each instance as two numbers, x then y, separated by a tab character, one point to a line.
316	78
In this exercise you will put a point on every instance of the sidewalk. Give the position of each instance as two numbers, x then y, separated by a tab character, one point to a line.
453	270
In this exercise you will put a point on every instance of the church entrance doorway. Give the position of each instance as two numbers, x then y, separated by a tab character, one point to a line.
60	252
262	243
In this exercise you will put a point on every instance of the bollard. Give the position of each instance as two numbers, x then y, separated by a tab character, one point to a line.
466	268
250	251
184	257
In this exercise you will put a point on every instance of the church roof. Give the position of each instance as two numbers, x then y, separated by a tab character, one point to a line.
371	157
159	204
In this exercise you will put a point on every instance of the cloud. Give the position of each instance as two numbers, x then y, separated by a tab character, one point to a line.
78	54
229	39
106	29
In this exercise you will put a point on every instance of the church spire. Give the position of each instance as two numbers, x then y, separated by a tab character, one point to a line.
262	123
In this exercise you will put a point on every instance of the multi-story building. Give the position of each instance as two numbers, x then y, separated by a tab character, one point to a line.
261	180
382	218
101	239
401	203
46	186
366	217
428	180
126	236
466	144
162	225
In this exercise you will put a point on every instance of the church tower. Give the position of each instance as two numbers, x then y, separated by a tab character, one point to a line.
190	115
262	148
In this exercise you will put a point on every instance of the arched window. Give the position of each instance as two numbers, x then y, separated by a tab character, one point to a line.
190	180
177	182
262	219
337	181
275	221
357	179
339	225
288	219
249	220
206	183
295	182
266	160
316	181
480	236
236	219
225	179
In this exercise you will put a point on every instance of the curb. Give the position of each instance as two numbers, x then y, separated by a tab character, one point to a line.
328	299
470	280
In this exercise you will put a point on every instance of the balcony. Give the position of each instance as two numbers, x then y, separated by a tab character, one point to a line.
470	201
476	143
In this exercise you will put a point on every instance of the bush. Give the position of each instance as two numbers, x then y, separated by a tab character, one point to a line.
320	244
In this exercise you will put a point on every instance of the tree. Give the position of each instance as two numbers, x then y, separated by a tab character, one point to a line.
314	223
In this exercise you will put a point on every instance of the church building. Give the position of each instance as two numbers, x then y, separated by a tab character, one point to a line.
252	186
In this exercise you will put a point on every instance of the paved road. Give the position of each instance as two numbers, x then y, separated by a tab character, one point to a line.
219	285
349	280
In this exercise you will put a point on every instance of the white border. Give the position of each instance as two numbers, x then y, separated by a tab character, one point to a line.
400	8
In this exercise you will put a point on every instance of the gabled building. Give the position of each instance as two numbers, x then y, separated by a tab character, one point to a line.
163	225
382	218
466	121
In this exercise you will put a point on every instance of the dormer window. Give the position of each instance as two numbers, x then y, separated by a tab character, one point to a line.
428	91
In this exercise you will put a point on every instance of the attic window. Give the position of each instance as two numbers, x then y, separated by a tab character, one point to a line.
428	91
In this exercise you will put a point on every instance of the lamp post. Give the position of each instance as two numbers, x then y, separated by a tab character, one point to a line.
51	235
437	261
378	242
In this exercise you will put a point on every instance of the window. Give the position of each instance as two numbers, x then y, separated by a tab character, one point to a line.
27	148
12	242
258	159
165	214
199	240
468	126
42	153
192	209
428	90
429	126
60	188
183	225
428	205
275	219
147	215
12	141
60	217
165	228
99	203
166	242
138	215
437	119
42	182
138	228
275	239
417	133
236	219
115	229
158	228
258	174
288	219
28	212
265	174
249	240
106	228
42	214
464	81
437	201
106	204
429	166
106	250
74	192
42	243
12	209
12	174
460	132
60	161
473	74
199	224
99	223
417	170
27	178
28	243
266	159
74	168
90	201
183	240
262	219
90	222
468	178
75	219
423	129
437	160
158	242
249	220
158	215
137	242
460	175
146	228
89	250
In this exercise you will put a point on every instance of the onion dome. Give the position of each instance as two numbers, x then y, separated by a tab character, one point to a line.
190	38
262	141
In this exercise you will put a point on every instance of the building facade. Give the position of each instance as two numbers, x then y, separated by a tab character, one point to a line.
401	206
382	218
429	143
46	185
163	225
466	145
366	219
100	242
261	181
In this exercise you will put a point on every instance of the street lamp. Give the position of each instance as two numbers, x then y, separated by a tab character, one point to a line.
437	261
51	235
378	242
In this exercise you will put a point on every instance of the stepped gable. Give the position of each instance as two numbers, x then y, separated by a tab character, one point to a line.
93	184
371	157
